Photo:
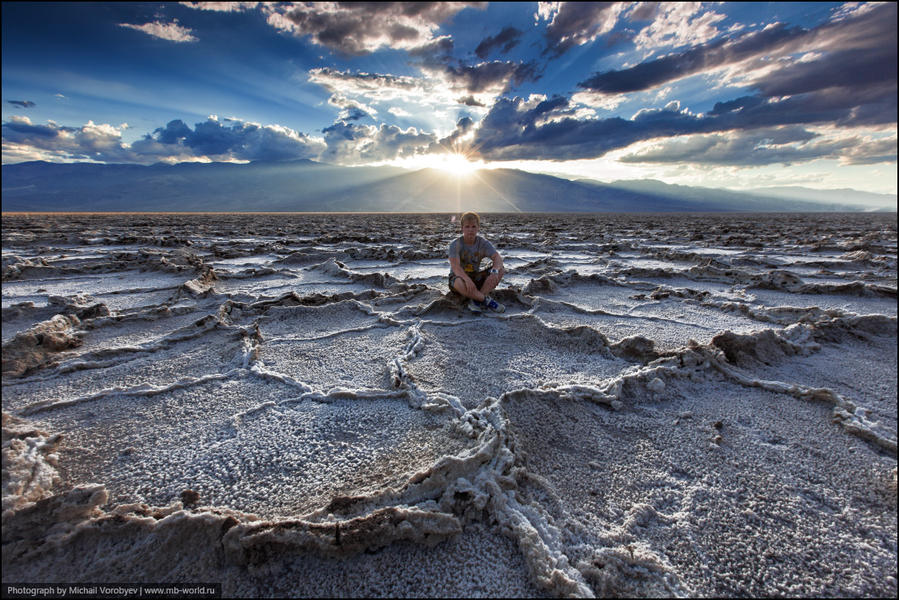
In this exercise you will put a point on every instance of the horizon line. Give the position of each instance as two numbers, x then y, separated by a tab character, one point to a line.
568	177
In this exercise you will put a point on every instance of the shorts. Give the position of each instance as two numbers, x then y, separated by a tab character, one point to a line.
478	277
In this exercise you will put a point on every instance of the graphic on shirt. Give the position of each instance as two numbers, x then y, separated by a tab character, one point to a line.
470	256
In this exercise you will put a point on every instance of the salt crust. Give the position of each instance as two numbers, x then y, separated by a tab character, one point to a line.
496	481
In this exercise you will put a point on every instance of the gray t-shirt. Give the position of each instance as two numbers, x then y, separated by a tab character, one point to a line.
470	256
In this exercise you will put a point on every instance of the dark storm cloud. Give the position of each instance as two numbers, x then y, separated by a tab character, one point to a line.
577	23
23	131
653	73
546	106
858	51
845	76
874	104
643	11
437	57
861	69
484	76
22	103
356	28
511	131
436	54
175	132
470	101
237	140
507	39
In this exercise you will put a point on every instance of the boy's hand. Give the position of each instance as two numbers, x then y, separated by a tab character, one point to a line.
470	287
498	275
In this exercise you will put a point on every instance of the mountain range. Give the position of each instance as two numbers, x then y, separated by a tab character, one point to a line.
307	186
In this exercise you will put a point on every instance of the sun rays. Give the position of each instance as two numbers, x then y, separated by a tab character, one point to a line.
456	164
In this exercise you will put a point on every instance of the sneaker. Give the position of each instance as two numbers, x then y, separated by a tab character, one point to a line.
475	306
493	305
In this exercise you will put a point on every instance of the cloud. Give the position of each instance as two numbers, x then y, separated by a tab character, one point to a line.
434	54
209	140
656	72
354	29
677	24
577	23
221	6
753	148
91	141
351	110
554	130
494	77
851	9
441	88
550	130
507	39
786	145
366	91
226	140
842	72
470	101
358	144
642	11
871	152
596	100
487	78
20	129
22	103
399	112
859	43
376	87
240	140
453	143
164	31
874	105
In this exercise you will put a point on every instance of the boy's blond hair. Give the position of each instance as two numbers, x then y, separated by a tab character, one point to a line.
470	216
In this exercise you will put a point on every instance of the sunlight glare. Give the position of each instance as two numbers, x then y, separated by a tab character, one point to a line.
455	164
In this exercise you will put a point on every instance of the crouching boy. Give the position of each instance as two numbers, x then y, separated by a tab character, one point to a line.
465	254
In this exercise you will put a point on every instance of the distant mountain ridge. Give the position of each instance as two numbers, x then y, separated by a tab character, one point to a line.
845	195
306	186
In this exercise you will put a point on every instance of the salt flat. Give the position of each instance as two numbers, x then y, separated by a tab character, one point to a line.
293	404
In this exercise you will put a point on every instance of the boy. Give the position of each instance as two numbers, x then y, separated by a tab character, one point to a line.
465	254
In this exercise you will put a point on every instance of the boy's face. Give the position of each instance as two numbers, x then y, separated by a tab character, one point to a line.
469	230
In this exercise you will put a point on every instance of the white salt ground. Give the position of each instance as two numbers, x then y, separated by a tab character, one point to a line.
266	408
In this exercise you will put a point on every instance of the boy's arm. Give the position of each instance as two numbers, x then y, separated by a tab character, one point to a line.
498	263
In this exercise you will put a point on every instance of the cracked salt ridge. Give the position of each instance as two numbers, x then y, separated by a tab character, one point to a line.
626	554
94	285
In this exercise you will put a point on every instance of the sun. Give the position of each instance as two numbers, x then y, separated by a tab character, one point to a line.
454	164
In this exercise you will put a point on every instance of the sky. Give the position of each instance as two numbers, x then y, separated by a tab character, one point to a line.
735	95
